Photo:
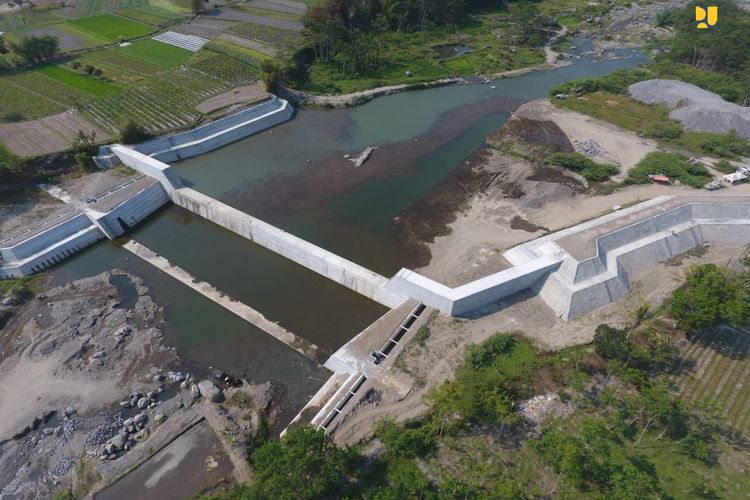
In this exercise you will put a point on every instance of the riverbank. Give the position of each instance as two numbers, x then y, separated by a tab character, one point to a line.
86	381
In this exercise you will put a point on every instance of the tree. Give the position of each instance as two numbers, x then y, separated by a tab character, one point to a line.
195	6
133	133
271	74
35	49
84	148
3	49
305	463
711	296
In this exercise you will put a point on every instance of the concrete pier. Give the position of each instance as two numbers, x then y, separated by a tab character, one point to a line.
234	306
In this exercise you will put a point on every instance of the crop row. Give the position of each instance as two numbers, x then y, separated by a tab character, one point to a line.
164	103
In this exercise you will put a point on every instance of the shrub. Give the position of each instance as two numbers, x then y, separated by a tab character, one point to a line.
665	131
133	133
588	168
711	296
729	145
673	165
725	167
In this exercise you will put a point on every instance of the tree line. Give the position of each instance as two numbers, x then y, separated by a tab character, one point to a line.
29	50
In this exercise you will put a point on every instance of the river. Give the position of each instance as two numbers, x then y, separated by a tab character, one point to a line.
295	176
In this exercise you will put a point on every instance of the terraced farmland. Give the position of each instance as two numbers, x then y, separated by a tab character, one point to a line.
715	367
110	28
164	103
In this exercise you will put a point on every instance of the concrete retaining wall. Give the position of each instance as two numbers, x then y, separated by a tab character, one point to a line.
218	133
476	294
131	212
53	254
338	269
44	239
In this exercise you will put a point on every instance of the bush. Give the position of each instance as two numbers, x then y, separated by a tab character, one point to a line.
673	165
588	168
665	131
133	133
725	167
729	145
711	296
408	440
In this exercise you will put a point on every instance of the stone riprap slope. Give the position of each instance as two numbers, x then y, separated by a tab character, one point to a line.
695	108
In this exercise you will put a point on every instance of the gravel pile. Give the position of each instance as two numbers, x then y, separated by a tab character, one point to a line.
695	108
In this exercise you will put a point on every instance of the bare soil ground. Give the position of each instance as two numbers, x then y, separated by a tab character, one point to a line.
89	392
47	135
618	147
248	94
22	208
434	361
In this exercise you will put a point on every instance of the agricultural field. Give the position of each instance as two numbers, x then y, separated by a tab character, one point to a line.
272	14
148	14
715	368
223	67
118	66
163	103
154	52
85	83
28	95
111	28
243	54
276	37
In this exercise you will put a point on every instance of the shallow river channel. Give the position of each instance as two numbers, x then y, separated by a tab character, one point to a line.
295	176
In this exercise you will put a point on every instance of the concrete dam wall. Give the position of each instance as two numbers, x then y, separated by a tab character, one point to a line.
304	253
36	250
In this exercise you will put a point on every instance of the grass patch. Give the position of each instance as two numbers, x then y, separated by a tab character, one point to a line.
673	165
111	28
242	54
652	120
725	167
586	167
155	52
273	14
78	81
115	58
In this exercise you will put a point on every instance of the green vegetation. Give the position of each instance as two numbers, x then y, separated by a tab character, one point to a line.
586	167
221	66
712	296
242	54
88	84
20	289
133	133
111	28
618	431
649	120
354	45
32	50
725	167
273	14
149	14
154	52
673	165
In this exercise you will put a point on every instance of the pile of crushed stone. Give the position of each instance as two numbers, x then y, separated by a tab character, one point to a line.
693	107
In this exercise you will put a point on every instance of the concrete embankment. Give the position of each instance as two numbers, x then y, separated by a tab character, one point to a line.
210	136
50	241
236	307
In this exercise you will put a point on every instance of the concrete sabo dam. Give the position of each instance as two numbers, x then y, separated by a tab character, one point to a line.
574	270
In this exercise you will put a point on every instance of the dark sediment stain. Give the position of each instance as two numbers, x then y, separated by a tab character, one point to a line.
335	176
518	222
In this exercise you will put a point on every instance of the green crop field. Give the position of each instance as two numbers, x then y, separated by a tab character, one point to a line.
115	58
155	52
163	103
221	66
149	15
28	95
715	368
273	14
111	28
78	81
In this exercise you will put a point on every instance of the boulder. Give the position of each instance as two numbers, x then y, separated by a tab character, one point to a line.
159	418
194	392
118	442
142	403
140	419
210	392
69	411
99	354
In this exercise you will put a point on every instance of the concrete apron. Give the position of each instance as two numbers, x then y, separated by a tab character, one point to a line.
230	304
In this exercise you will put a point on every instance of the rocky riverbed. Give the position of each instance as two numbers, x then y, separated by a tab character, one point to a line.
85	380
